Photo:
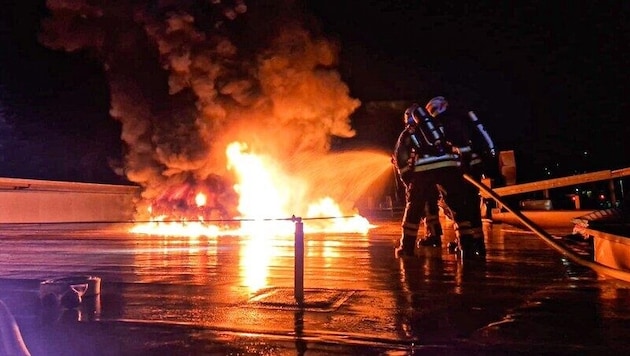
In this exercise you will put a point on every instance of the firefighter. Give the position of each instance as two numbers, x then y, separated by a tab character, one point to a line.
485	165
423	160
477	152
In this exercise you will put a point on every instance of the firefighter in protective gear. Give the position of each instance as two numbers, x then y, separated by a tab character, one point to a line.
479	148
475	147
423	160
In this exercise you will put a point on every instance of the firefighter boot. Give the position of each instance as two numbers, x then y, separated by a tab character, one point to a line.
433	232
479	247
471	248
430	241
406	246
465	246
453	247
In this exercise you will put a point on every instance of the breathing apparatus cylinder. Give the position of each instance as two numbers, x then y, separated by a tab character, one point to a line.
430	133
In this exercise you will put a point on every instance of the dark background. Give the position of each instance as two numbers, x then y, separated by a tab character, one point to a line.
548	79
54	107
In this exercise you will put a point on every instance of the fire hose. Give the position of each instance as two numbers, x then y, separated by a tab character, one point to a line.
546	237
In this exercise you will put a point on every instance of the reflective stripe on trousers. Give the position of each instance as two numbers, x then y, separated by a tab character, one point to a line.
410	228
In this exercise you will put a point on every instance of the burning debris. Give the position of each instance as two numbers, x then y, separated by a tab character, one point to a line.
189	79
207	200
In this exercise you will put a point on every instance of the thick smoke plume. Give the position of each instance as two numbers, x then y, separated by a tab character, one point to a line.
187	77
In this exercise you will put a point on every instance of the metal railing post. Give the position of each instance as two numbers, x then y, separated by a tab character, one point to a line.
298	287
613	195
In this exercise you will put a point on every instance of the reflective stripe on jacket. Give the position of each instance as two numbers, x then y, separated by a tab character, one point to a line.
428	163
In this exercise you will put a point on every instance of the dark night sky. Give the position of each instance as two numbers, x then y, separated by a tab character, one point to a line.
549	78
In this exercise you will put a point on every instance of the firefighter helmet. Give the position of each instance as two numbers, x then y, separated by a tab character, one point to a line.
436	105
409	118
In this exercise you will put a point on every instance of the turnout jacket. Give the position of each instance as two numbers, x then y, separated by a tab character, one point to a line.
470	140
412	155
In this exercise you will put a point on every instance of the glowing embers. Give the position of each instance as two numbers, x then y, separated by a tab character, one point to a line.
268	198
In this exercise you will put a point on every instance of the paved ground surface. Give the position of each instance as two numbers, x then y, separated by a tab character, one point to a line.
236	296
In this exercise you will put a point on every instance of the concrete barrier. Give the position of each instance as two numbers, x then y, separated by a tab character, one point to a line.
39	201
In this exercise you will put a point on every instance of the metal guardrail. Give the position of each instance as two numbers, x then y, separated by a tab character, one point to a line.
560	182
58	186
621	274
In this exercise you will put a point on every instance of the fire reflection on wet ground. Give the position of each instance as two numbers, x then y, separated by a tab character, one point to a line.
230	292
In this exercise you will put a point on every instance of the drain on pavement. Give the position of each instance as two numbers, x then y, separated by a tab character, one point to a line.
322	300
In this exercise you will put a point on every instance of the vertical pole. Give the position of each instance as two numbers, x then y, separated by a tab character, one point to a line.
613	196
298	289
576	200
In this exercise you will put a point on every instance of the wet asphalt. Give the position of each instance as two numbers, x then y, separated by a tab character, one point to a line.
237	295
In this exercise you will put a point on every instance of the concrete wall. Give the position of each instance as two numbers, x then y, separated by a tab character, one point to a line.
38	201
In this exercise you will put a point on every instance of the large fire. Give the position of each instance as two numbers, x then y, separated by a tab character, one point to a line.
227	111
269	200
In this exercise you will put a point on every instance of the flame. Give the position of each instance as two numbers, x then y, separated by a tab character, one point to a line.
269	200
259	183
201	199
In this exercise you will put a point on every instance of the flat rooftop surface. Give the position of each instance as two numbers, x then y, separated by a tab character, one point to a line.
236	295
